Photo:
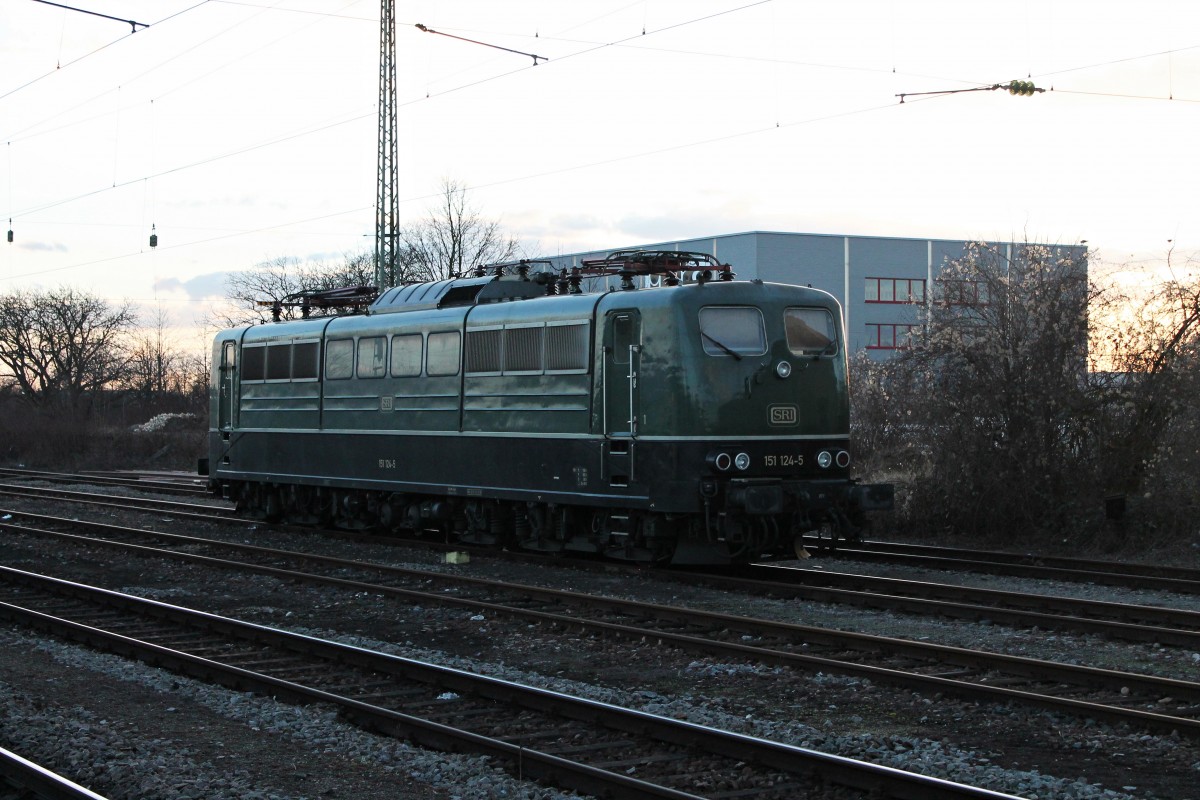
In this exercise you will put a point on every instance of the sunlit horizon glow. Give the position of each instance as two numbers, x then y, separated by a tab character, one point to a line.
243	132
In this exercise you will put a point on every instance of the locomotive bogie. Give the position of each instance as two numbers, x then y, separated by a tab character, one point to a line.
689	424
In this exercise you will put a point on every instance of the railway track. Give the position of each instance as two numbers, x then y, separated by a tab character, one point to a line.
1128	574
21	779
120	502
1148	702
1109	573
555	738
1124	574
1122	621
182	485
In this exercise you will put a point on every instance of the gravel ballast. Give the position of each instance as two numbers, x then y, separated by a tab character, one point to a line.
109	719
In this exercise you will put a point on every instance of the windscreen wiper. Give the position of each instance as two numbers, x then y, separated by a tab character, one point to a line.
727	350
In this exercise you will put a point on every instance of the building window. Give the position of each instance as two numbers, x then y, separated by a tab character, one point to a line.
889	336
963	292
895	290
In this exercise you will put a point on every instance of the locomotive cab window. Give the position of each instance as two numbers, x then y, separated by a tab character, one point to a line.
733	331
810	331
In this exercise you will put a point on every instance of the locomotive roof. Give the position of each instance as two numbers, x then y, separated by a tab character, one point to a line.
455	292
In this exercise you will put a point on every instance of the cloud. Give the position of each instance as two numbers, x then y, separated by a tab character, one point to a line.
202	287
41	247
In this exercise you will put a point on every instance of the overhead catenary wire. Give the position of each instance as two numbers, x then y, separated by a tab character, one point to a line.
131	23
534	56
60	66
426	197
233	153
290	137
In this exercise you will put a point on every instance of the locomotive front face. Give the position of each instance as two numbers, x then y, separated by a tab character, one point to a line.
736	396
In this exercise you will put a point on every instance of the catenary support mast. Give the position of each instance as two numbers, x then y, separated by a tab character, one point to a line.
387	207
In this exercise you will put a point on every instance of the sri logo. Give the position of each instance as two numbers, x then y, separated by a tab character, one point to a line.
783	415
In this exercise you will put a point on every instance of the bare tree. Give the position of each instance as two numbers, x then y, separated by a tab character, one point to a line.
993	395
156	368
453	239
1150	375
63	346
251	292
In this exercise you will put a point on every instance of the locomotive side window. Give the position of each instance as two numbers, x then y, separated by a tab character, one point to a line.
733	331
279	362
254	363
372	357
406	356
566	347
810	331
444	352
306	360
339	359
523	349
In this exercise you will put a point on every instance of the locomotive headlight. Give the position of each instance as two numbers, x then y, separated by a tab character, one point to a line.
824	459
843	459
783	369
742	461
719	461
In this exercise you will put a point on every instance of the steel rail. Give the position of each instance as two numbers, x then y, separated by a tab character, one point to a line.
1074	677
1132	622
1183	581
68	477
35	781
1008	557
1140	623
126	503
724	744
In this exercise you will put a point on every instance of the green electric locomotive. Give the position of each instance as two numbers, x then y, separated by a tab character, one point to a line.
696	422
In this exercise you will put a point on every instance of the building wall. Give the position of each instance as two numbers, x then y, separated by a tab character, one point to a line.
881	282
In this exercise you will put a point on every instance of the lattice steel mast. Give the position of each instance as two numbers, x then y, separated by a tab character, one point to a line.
387	207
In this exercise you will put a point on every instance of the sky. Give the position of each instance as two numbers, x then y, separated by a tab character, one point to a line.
243	132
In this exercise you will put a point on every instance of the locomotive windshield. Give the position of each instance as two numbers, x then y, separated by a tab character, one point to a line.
733	331
810	331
